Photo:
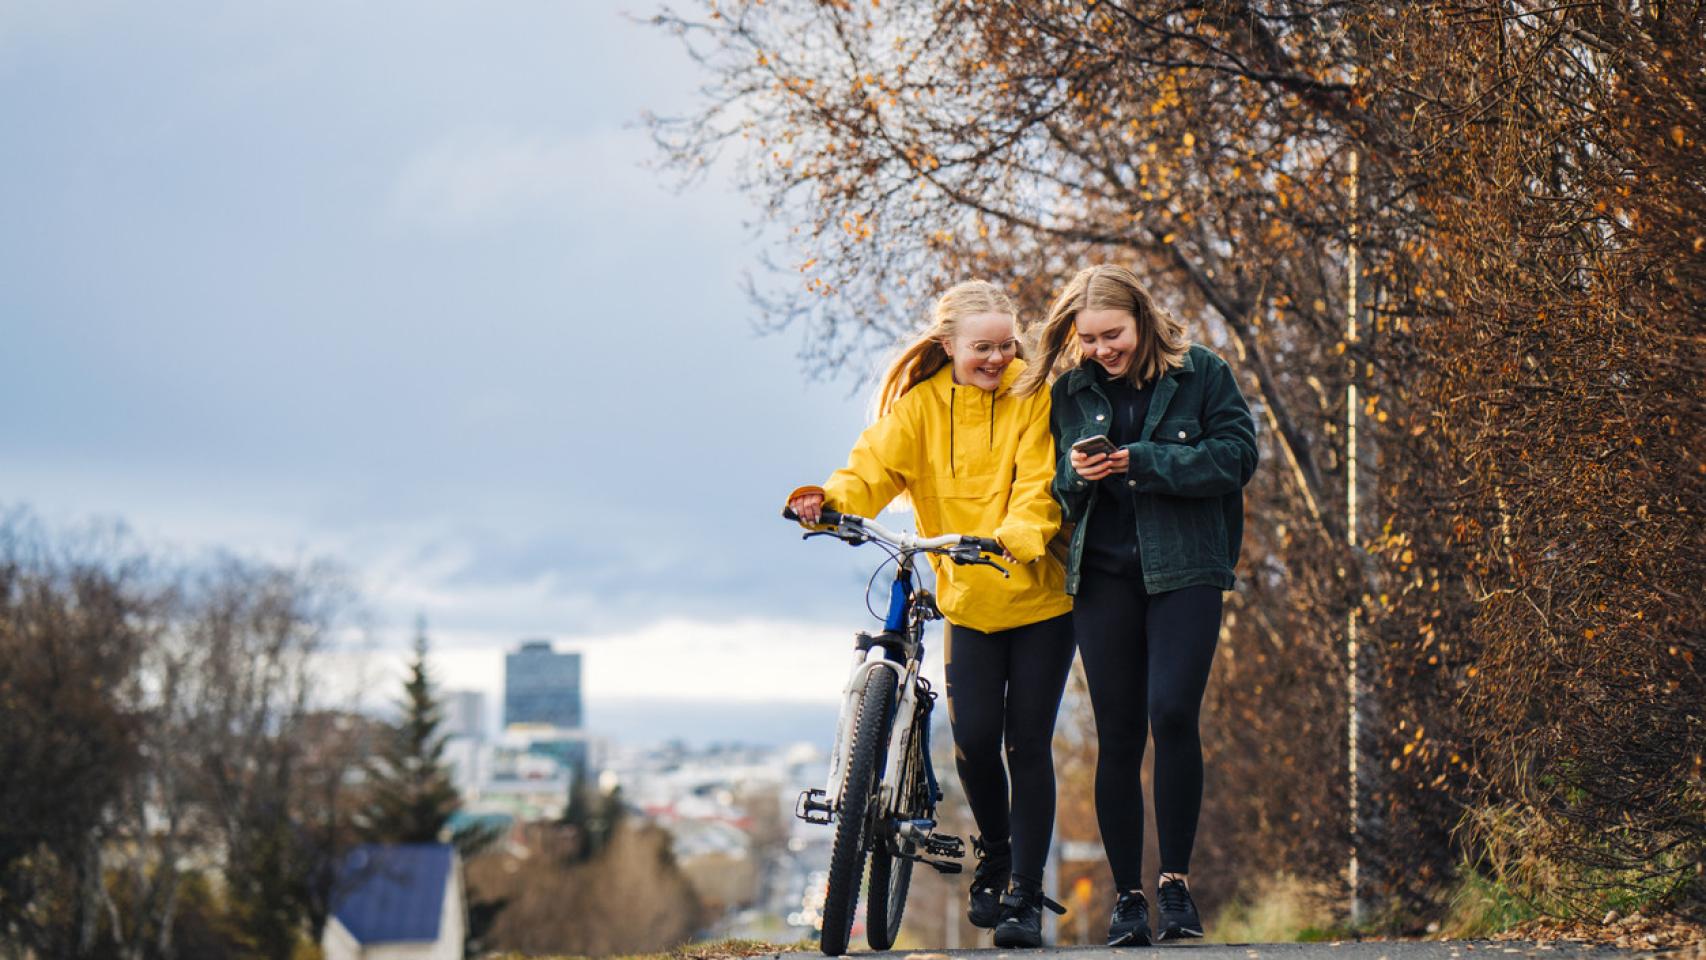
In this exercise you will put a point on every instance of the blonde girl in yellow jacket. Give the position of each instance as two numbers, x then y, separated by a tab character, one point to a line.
975	459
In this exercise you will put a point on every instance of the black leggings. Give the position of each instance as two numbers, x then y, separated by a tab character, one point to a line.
1146	659
1008	684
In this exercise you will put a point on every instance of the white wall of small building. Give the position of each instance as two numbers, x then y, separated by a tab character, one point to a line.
337	943
453	920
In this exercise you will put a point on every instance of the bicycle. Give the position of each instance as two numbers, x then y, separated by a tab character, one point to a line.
884	787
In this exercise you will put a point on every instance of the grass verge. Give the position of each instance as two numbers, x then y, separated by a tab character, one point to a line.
1281	908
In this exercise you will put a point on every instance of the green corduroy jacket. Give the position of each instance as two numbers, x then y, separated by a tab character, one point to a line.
1196	452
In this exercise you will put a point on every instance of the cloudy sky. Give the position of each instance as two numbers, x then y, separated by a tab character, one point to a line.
389	282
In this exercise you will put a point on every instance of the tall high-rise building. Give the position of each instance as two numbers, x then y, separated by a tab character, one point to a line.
542	686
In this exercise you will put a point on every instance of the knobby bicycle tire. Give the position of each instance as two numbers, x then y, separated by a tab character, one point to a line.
891	877
847	856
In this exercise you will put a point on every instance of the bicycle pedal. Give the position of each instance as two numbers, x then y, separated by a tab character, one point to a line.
952	848
813	807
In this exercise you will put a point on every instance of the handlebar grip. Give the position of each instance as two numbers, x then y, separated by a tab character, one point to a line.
827	515
985	544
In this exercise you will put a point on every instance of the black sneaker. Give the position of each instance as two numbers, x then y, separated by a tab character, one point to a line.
1130	924
1178	912
994	869
1022	918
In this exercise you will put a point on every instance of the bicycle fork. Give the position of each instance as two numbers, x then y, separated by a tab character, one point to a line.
819	806
911	838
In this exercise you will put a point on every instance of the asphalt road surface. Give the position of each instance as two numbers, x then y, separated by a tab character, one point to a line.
1345	950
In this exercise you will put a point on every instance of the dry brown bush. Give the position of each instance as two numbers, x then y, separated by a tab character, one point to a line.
629	898
1545	529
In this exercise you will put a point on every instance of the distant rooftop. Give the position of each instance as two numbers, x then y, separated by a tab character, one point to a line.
390	893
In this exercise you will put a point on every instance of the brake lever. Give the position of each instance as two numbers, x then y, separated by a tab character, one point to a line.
844	534
971	559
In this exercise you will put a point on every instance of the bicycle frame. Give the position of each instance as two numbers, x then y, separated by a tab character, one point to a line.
872	653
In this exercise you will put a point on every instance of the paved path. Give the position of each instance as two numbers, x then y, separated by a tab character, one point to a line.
1345	950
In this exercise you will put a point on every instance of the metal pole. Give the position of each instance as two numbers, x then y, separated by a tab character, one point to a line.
1353	689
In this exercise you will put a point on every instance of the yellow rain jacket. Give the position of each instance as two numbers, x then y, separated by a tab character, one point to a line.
972	462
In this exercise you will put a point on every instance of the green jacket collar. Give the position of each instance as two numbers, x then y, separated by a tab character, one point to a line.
1082	377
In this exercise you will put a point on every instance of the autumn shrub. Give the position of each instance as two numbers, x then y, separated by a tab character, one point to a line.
1279	907
630	897
1547	547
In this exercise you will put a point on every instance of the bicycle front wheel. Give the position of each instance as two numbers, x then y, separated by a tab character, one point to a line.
858	792
891	876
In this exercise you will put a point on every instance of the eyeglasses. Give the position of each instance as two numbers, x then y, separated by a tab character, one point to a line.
983	349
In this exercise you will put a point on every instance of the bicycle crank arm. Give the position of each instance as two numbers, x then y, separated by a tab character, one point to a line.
940	866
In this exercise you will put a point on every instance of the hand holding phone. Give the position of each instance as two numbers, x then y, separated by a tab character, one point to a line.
1097	445
1096	457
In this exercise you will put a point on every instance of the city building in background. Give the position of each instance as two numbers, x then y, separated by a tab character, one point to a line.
529	771
571	749
465	741
542	753
465	714
542	686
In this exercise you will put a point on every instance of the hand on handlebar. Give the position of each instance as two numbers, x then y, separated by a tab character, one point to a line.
808	507
991	545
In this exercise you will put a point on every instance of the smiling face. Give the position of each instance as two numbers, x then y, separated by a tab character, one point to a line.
982	346
1108	337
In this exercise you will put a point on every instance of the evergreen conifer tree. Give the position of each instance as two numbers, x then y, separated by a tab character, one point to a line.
411	797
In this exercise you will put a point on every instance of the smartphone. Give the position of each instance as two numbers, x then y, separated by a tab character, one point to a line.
1092	446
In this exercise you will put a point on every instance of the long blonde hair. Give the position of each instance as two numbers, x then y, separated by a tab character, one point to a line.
925	355
1161	338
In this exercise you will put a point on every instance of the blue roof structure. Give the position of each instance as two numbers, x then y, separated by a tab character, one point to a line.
389	893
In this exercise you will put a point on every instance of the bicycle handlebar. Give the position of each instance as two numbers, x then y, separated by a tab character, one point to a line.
831	517
856	529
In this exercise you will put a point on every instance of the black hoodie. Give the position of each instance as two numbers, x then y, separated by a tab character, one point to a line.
1110	543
